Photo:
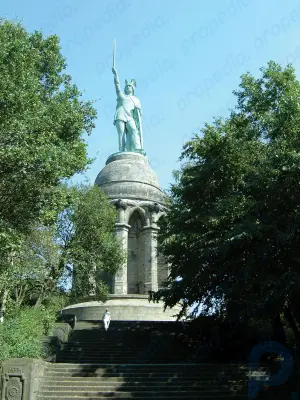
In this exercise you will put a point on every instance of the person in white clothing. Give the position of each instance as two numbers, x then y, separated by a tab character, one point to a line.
106	319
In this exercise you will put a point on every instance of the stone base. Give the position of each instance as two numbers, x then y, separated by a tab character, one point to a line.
123	308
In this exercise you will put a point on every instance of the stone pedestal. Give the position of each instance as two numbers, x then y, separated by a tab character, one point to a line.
123	308
132	186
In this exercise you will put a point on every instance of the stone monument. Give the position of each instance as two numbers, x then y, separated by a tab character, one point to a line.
132	186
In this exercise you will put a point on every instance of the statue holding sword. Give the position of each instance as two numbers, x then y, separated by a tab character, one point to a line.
128	116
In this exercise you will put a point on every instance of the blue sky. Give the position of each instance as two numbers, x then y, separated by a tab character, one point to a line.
186	56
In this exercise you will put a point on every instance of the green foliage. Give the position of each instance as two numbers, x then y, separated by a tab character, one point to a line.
21	333
42	119
56	302
87	233
46	228
33	269
42	122
232	232
81	246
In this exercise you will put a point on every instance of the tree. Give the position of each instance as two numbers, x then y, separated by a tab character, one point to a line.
29	276
86	233
81	246
42	122
232	231
33	266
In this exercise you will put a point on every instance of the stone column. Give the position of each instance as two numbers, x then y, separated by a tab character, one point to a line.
150	258
120	278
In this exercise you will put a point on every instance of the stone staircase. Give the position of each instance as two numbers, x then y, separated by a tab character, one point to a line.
92	381
124	343
132	360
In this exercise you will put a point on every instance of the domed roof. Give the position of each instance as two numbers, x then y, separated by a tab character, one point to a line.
128	175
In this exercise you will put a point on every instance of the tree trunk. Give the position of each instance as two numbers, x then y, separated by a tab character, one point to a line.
40	298
20	294
3	304
39	301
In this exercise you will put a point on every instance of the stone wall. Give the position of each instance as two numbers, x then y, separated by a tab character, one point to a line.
123	308
20	378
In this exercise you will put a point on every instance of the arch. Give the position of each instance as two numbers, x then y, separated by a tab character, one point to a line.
136	222
140	211
160	215
135	252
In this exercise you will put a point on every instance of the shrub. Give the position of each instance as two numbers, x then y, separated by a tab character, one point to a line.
21	333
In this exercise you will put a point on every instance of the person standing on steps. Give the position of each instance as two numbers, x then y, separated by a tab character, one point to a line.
106	319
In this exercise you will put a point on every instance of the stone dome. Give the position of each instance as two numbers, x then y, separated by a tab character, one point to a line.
128	175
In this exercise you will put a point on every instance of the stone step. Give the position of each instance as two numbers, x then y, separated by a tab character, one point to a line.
96	337
151	372
96	364
104	359
146	393
152	377
80	360
157	397
152	380
132	325
113	383
101	354
142	388
101	345
149	368
113	347
210	366
111	369
113	344
104	350
110	342
143	349
89	354
101	358
114	350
